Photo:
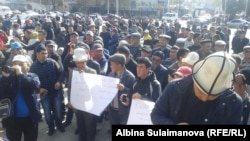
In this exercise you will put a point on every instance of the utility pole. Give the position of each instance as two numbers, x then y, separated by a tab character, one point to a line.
246	9
107	6
225	7
179	7
117	7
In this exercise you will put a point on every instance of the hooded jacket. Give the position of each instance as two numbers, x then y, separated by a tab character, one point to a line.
149	88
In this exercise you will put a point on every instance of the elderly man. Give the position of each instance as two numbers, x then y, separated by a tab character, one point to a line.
119	107
135	46
194	100
86	122
163	45
220	45
205	49
146	51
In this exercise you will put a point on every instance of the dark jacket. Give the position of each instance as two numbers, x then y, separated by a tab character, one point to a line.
29	83
54	55
135	51
246	109
167	109
113	43
131	66
238	44
166	51
161	74
32	47
149	88
105	37
50	33
173	36
49	73
126	79
61	40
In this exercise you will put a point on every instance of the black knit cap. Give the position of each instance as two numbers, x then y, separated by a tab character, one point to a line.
40	47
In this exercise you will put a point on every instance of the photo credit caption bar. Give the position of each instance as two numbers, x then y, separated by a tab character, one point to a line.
177	131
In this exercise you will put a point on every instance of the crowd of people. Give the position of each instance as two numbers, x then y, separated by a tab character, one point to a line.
187	72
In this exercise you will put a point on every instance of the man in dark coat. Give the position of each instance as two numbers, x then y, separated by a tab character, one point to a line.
193	100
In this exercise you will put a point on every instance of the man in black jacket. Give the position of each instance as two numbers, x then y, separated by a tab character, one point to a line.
146	86
239	41
205	97
19	86
160	71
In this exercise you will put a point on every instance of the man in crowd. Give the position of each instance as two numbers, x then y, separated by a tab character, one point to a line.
239	41
220	45
135	46
205	49
130	62
146	86
195	100
163	45
160	71
196	46
146	51
120	105
19	86
51	93
86	122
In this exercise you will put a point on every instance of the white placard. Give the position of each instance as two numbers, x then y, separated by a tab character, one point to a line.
140	112
91	92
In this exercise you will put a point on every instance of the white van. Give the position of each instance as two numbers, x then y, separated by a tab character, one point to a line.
170	17
4	10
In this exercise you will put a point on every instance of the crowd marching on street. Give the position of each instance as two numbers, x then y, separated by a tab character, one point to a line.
187	71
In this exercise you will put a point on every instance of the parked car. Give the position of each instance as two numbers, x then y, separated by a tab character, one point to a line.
5	10
65	13
170	17
30	13
198	20
95	15
51	14
16	11
237	23
187	17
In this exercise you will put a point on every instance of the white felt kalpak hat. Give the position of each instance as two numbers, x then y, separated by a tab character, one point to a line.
214	74
191	58
80	55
